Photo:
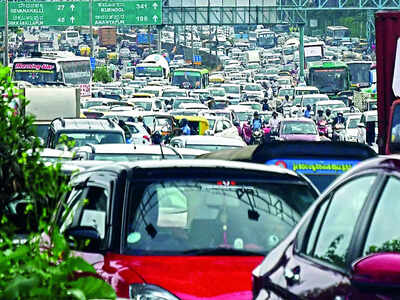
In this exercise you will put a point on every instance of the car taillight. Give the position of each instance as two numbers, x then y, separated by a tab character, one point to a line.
147	138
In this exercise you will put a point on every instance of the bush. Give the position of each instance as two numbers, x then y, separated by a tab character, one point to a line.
27	270
102	74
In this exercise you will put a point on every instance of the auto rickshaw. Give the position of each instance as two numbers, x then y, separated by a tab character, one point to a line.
112	57
85	51
216	79
198	125
102	52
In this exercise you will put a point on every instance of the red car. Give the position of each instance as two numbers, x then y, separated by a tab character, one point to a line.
347	244
300	129
182	229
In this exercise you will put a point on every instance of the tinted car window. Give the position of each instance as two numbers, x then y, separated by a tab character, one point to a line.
384	225
333	234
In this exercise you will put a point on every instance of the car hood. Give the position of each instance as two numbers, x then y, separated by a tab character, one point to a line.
196	277
300	137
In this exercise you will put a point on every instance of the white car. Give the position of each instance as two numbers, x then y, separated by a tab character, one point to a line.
207	143
254	91
351	134
220	126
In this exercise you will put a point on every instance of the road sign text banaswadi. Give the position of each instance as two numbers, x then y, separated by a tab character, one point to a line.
64	13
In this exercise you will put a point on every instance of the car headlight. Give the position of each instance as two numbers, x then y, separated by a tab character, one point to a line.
142	291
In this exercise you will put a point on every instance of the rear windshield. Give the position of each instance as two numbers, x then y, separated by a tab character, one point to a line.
193	217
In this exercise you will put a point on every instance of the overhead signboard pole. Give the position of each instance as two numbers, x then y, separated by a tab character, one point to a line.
91	27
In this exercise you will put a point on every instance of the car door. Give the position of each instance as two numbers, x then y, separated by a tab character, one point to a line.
88	206
318	264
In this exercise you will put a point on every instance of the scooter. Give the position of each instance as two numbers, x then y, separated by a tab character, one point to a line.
257	136
338	134
323	127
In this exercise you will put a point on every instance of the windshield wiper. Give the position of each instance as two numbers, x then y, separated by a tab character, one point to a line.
222	251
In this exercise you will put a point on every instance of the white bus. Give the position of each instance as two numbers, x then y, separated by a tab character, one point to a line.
54	68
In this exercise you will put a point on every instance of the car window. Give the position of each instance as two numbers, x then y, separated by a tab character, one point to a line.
384	226
331	233
226	125
219	126
87	209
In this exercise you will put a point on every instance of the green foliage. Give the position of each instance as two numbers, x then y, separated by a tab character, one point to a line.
102	74
29	271
388	246
32	269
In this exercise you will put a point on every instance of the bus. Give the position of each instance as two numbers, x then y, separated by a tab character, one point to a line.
359	73
154	67
190	78
335	34
56	67
329	77
266	39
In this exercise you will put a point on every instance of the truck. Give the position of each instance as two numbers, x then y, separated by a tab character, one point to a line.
108	37
45	107
387	26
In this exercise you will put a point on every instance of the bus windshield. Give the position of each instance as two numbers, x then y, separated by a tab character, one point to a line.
148	72
35	73
329	80
76	72
359	72
181	77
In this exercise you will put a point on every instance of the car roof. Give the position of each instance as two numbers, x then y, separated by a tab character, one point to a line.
209	140
85	124
190	164
125	149
323	102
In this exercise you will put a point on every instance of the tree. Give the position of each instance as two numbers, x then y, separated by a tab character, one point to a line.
102	74
32	269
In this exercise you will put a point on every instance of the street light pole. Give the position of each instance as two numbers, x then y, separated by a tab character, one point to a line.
6	35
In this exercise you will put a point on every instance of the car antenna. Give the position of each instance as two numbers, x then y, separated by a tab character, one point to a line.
162	152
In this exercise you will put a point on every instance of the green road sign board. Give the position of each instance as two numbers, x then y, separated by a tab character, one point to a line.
63	13
127	12
45	13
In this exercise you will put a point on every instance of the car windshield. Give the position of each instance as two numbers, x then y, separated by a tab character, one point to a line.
284	92
353	123
243	116
89	137
177	102
89	104
298	128
232	89
217	92
199	217
310	101
252	87
131	157
172	94
331	106
145	105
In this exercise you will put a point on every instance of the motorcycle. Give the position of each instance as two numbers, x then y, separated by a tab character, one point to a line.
323	127
338	134
257	136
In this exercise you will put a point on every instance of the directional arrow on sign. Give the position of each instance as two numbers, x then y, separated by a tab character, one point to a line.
72	7
155	18
72	19
155	5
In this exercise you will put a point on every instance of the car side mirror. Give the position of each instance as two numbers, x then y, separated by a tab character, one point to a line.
236	123
378	272
83	237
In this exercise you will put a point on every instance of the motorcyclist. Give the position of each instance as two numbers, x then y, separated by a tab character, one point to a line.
274	123
185	127
328	115
307	112
320	116
339	119
256	123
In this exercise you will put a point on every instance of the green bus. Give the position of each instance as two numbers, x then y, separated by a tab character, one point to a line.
190	78
329	77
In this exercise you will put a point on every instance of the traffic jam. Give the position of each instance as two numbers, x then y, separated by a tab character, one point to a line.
259	167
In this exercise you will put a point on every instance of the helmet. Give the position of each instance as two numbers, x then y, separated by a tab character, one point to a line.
287	97
340	114
256	114
328	111
320	111
308	106
274	114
